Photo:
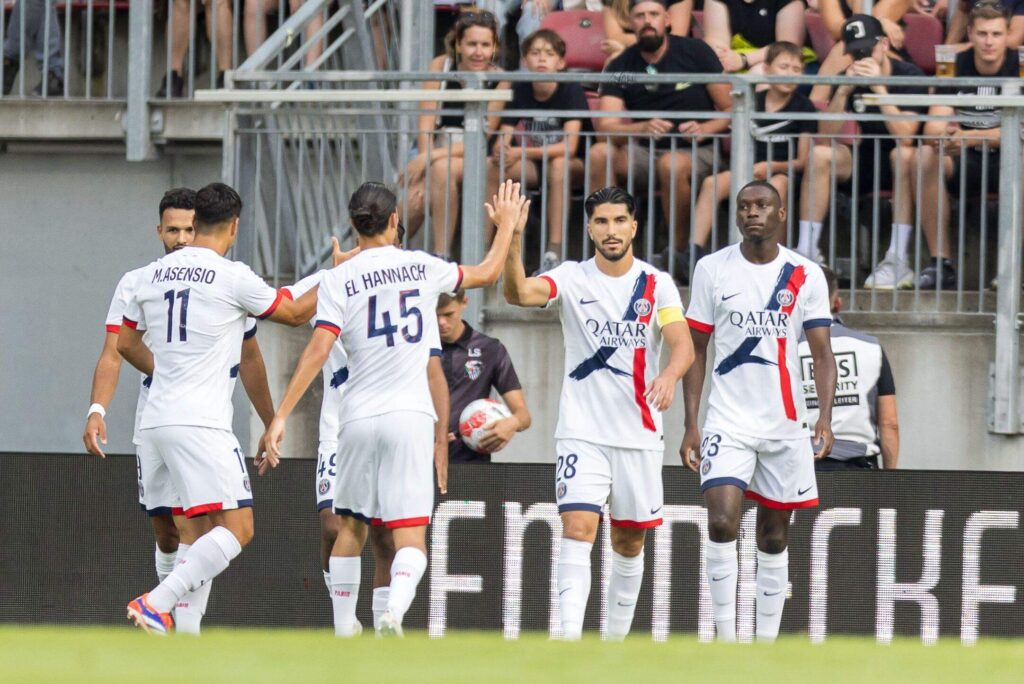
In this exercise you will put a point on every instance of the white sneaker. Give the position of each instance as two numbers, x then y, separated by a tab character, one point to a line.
892	273
390	626
547	263
357	629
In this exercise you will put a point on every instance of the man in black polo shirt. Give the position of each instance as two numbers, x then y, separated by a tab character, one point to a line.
657	52
968	146
473	364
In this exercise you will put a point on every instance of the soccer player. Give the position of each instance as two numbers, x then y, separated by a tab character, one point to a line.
335	373
376	303
194	303
173	533
757	297
615	312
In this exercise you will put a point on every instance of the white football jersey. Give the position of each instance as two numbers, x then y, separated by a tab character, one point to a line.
115	315
612	351
757	313
382	303
194	303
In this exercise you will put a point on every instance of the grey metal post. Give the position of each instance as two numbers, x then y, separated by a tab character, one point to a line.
425	27
1006	412
381	167
140	57
409	29
474	183
740	160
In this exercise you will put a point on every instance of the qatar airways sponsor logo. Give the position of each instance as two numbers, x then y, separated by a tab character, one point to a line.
761	323
628	334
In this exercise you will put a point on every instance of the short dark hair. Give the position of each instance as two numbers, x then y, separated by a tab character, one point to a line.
832	280
445	298
609	195
762	184
177	198
215	204
557	44
987	9
782	47
370	208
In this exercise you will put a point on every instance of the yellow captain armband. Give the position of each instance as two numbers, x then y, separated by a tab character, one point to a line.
670	314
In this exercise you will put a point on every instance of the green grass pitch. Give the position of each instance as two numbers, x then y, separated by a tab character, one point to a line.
111	654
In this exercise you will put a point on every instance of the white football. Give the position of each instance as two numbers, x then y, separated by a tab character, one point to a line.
477	417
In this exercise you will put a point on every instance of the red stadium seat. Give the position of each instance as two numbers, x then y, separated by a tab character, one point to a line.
582	32
922	33
697	25
821	40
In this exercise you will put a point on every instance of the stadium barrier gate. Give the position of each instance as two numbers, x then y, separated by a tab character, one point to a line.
919	554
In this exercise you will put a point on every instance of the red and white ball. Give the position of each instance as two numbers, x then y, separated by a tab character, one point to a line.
477	418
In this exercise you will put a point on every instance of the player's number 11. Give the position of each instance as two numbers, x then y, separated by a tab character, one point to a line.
182	296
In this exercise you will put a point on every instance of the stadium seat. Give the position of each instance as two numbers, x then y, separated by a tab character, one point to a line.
697	25
582	32
923	33
821	40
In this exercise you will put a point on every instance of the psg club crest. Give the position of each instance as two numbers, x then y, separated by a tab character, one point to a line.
784	298
474	368
246	484
706	468
641	307
324	486
560	492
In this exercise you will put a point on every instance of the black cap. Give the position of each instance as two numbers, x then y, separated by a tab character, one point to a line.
861	32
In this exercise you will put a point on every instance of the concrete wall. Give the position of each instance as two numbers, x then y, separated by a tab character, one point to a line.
71	223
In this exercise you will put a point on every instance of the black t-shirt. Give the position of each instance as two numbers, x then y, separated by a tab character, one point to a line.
982	118
538	130
778	132
877	128
683	56
755	20
474	364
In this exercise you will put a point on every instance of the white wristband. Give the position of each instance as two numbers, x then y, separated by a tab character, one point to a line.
97	408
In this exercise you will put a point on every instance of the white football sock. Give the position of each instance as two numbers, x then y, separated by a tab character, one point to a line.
208	557
345	574
327	581
406	571
165	562
190	609
810	236
723	570
573	586
623	590
380	604
772	582
900	240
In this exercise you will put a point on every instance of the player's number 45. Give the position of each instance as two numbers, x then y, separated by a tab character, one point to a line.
388	329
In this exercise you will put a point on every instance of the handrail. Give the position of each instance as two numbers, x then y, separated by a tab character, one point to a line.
326	96
285	34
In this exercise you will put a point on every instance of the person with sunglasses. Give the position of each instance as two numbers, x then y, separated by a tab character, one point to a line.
437	168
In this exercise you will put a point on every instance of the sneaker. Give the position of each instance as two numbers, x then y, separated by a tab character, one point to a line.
390	626
548	262
54	86
892	273
149	619
10	74
177	85
357	630
932	279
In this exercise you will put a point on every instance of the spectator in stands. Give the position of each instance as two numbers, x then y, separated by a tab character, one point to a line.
471	45
785	142
219	20
740	31
618	30
532	12
864	40
656	52
864	413
255	29
474	365
957	32
961	143
45	47
834	14
546	138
